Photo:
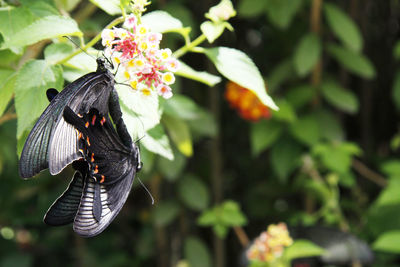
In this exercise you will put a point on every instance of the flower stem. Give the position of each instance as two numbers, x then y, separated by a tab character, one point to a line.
183	50
92	42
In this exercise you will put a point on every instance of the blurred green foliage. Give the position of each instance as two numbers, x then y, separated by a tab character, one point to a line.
328	156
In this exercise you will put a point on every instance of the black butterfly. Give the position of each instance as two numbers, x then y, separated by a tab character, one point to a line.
53	143
102	181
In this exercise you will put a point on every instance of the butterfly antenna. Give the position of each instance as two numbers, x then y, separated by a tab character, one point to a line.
109	61
147	190
78	46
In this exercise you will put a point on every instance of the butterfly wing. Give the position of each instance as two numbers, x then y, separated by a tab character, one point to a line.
112	168
112	198
64	209
52	143
34	156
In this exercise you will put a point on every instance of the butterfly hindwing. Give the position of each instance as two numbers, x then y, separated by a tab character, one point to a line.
112	168
112	199
64	209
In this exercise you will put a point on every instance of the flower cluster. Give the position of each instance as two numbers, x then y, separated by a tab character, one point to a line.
135	50
270	244
246	102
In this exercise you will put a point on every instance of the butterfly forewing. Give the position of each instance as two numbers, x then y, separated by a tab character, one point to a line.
52	142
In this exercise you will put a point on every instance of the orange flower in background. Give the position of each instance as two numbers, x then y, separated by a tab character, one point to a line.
270	244
246	103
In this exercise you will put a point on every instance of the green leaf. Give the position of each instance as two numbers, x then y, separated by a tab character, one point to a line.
8	58
194	192
140	112
388	242
396	51
307	54
172	169
196	252
182	107
282	12
390	195
212	30
57	51
300	96
7	84
302	249
223	216
285	112
204	124
45	28
280	74
200	76
285	157
343	27
339	97
157	142
165	212
396	90
231	214
161	21
111	7
330	126
353	62
32	81
208	217
41	9
337	157
391	167
306	130
263	134
67	5
180	134
239	68
251	8
14	20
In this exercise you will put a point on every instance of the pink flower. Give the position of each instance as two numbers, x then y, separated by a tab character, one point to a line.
130	22
164	91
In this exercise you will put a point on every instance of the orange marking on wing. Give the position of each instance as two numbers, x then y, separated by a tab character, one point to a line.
93	119
103	120
102	179
92	158
81	150
80	115
80	135
87	124
87	140
96	169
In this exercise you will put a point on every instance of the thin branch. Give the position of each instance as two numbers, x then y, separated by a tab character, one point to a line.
242	236
369	174
92	42
7	117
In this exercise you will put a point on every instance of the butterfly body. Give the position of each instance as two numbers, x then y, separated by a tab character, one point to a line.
108	177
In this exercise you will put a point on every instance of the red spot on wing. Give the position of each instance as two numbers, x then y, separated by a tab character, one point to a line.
103	120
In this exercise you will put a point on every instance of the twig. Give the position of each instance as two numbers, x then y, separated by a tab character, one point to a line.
7	117
369	174
242	236
315	25
85	12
